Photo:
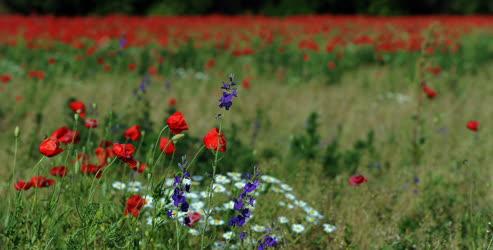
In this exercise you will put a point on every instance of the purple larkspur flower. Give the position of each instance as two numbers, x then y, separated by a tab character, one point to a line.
243	235
229	93
267	242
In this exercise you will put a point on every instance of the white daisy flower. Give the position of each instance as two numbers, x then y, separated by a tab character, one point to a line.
311	219
198	178
290	206
198	205
149	221
234	176
282	203
239	185
216	222
204	194
169	182
228	235
218	188
276	190
193	195
329	228
149	201
298	228
283	220
229	205
290	197
187	181
286	187
301	204
258	228
118	185
221	179
194	232
269	179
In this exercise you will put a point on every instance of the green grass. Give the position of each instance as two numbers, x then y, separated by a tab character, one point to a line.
449	208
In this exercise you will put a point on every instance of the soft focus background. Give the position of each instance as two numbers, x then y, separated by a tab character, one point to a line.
257	7
397	92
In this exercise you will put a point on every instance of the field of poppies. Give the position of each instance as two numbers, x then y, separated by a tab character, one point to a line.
249	132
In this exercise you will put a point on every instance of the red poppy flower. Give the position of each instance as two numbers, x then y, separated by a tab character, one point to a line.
124	151
92	169
66	136
473	126
132	66
431	93
22	185
51	61
246	83
134	204
136	166
37	74
215	141
5	78
331	65
133	133
107	68
193	217
59	171
210	63
176	123
167	146
357	180
172	102
78	107
41	181
50	147
152	70
91	123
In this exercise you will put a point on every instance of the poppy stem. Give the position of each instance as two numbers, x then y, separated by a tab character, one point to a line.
155	144
211	187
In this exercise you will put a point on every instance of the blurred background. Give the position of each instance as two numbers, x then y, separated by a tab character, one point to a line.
257	7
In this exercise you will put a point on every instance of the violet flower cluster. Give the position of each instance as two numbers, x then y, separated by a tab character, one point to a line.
244	202
230	91
181	185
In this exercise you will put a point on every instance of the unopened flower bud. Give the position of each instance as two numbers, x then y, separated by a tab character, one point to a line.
16	131
177	137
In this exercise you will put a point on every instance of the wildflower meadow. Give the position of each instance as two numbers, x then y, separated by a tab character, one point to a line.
246	132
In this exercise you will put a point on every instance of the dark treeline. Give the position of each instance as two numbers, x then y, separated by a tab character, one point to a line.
263	7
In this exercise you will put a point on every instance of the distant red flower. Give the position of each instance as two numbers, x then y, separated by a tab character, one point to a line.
22	185
37	74
331	65
107	68
306	57
133	133
210	63
66	135
435	70
41	181
246	83
172	102
50	147
124	151
192	218
5	78
167	146
176	123
152	70
430	93
100	60
91	123
59	171
136	166
92	169
215	141
134	204
473	126
132	66
78	107
51	61
357	180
